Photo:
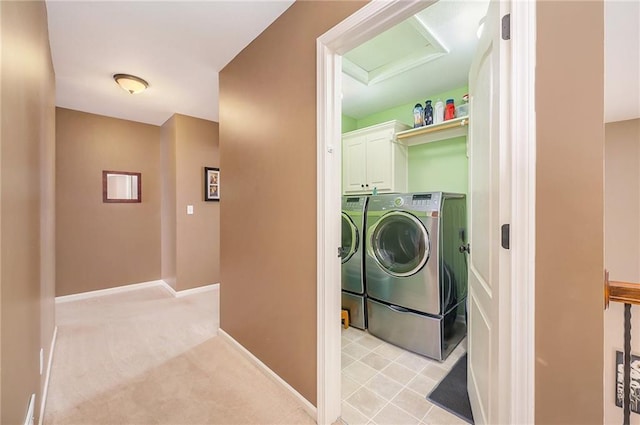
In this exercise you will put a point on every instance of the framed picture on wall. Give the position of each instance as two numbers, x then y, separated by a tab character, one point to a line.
634	399
211	184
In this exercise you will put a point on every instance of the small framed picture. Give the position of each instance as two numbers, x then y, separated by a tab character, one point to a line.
211	184
634	393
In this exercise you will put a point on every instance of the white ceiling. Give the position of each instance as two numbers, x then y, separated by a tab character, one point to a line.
180	46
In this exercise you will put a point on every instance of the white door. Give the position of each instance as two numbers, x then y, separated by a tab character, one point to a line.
489	205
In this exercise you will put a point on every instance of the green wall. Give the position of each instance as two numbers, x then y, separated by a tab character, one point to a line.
404	113
436	166
349	124
439	166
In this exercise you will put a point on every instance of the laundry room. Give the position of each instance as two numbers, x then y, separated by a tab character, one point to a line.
405	181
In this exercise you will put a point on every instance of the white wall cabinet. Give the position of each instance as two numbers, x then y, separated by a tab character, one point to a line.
373	158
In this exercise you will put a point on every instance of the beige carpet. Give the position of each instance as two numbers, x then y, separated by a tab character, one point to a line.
145	357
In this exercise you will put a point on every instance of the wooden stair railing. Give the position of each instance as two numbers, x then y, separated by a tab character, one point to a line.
628	294
621	292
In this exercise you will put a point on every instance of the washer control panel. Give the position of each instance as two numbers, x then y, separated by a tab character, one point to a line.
353	203
428	201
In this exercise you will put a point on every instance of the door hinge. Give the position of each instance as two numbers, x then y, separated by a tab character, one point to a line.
506	27
506	234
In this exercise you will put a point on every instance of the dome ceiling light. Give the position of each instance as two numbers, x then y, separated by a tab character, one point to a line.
131	83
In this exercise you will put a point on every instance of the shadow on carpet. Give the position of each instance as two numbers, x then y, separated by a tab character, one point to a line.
451	393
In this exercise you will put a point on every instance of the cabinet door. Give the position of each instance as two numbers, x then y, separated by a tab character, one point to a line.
353	164
379	162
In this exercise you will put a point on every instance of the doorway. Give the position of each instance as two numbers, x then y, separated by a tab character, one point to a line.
370	21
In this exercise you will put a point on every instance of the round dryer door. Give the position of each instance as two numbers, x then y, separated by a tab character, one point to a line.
350	238
399	243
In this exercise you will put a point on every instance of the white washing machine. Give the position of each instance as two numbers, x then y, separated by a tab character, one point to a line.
353	279
416	270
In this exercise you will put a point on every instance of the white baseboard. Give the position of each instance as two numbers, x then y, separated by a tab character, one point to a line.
136	286
45	390
306	405
185	292
109	291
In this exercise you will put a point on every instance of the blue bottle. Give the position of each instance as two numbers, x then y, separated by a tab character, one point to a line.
428	113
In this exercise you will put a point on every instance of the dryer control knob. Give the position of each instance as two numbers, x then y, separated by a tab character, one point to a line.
398	202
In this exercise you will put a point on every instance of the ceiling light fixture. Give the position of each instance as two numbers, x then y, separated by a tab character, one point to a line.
131	83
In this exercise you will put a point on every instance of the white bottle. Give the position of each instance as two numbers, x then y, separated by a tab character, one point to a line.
438	112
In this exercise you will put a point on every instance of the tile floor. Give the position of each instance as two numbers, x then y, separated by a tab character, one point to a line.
384	384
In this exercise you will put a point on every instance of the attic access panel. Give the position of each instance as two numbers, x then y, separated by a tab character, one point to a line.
403	47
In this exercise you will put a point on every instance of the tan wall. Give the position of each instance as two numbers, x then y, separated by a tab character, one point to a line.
622	200
622	245
190	243
168	213
569	209
27	137
47	222
197	235
102	245
268	207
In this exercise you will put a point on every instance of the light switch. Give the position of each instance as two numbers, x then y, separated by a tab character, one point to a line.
190	209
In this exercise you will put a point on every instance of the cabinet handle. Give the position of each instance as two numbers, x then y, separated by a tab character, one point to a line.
367	185
362	186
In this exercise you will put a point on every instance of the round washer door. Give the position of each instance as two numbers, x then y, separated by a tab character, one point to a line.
350	238
399	243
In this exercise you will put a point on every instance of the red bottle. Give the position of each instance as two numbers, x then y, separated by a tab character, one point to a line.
449	110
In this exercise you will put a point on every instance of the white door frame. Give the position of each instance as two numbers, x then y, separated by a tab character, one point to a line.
374	18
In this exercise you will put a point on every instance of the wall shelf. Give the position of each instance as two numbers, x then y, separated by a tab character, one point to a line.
433	133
